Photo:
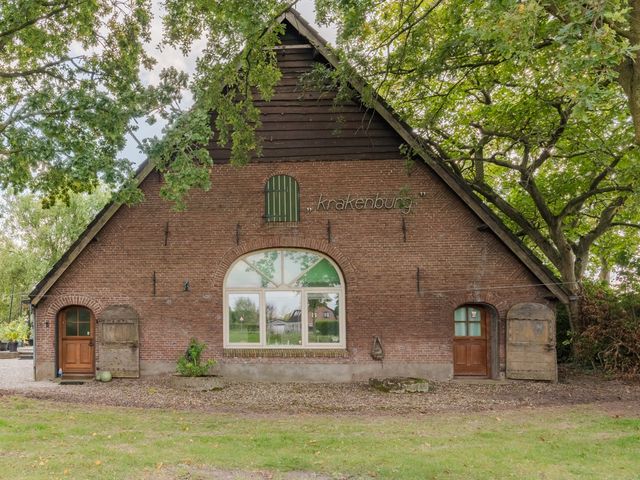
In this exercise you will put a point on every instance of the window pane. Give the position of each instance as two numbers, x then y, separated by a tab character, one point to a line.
268	264
243	275
244	318
461	329
283	318
323	317
460	315
474	329
297	262
84	315
84	329
474	315
322	274
71	329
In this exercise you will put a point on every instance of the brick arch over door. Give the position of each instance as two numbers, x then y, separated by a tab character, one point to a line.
62	301
491	298
230	256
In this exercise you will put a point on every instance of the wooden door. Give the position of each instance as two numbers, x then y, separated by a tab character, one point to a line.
119	341
531	342
77	344
470	353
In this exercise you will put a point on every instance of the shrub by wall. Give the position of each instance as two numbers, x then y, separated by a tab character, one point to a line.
611	340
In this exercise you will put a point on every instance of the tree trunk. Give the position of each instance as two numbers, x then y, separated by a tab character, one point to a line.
575	314
571	273
629	69
605	271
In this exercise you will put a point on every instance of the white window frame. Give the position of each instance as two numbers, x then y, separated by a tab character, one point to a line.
304	291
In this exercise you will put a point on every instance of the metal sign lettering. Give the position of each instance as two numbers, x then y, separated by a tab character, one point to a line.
376	202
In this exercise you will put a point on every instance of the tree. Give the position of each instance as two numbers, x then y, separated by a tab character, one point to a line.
70	89
244	312
521	100
236	63
34	238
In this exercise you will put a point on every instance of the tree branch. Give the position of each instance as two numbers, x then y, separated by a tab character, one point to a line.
606	218
555	136
408	26
529	184
35	71
33	21
576	203
625	224
512	213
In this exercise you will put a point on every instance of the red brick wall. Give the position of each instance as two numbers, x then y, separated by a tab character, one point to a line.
458	263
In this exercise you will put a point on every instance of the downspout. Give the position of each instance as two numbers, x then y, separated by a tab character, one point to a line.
34	323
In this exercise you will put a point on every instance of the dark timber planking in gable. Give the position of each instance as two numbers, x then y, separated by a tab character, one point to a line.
299	124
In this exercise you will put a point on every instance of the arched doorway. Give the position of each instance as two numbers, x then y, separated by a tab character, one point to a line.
471	341
76	341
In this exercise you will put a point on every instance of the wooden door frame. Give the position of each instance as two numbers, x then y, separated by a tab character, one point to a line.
492	333
59	336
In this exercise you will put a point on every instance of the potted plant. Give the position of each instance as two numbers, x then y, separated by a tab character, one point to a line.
13	332
3	340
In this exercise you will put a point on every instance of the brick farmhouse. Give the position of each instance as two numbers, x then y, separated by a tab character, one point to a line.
328	258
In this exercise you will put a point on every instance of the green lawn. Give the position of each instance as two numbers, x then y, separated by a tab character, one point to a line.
46	440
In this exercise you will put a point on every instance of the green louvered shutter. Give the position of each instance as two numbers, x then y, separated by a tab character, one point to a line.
282	199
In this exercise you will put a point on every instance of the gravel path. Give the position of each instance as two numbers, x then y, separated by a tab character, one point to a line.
314	398
18	374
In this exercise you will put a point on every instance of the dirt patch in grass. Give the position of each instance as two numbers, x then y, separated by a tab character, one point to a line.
191	472
621	398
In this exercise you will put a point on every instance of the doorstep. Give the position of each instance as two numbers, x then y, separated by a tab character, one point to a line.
5	354
479	381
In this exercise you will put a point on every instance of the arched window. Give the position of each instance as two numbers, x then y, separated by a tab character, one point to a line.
284	298
282	199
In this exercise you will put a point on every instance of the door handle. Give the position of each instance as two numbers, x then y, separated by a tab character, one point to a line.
91	343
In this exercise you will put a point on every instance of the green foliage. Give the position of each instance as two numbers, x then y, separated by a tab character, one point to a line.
611	341
33	238
235	63
525	102
532	104
15	331
69	89
191	364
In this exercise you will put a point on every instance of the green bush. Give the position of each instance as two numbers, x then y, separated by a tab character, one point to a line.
611	340
190	364
328	327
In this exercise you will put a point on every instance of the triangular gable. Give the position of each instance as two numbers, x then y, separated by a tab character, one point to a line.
303	29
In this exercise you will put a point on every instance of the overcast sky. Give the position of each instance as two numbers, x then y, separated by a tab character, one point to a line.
169	57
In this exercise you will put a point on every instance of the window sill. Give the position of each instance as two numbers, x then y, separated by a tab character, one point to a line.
283	353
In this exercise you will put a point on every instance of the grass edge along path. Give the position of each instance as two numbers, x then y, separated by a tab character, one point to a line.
48	440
